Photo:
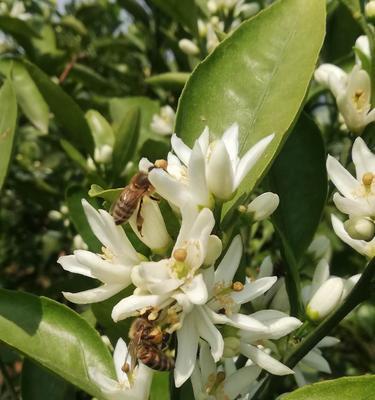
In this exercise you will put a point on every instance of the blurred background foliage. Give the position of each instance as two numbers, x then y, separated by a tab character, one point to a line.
90	74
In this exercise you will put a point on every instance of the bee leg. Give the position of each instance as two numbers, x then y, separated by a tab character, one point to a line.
140	218
155	198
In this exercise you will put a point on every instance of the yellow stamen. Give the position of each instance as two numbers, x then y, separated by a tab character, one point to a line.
237	286
180	255
368	178
161	164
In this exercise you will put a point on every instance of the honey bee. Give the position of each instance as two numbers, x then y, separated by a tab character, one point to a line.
149	344
130	198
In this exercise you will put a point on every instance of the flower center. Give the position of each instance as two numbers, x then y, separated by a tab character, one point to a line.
359	99
222	296
107	254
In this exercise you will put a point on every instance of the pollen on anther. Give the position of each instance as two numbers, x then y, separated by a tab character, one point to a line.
180	254
161	164
367	178
237	286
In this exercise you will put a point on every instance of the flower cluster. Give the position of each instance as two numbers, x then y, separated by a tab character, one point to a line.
187	287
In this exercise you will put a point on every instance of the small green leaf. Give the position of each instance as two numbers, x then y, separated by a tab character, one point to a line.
258	77
348	388
126	139
169	80
74	24
74	196
40	384
106	194
54	336
16	27
8	118
185	12
66	110
160	386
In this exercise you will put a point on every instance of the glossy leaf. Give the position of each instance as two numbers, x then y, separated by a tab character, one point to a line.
28	96
126	139
169	80
257	77
40	384
67	112
136	9
160	386
8	117
106	194
185	12
100	128
54	336
348	388
74	196
16	27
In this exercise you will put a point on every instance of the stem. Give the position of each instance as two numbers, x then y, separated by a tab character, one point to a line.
8	381
359	293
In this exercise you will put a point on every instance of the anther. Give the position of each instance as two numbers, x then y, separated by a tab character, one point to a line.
367	178
242	209
237	286
180	255
125	368
161	164
220	377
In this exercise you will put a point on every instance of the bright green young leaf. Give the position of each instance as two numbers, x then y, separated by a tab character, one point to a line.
74	196
160	386
126	140
8	117
54	336
100	128
257	77
185	12
299	177
74	24
169	80
28	96
39	384
348	388
106	194
66	110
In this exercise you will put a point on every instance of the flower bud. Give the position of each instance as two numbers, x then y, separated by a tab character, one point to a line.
231	347
264	205
360	228
188	47
370	10
325	299
103	154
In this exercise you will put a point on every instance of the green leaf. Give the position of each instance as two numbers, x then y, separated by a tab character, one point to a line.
185	12
74	196
54	336
8	118
40	384
100	128
134	8
28	96
69	21
126	139
348	388
106	194
169	80
160	386
257	77
67	112
299	177
16	27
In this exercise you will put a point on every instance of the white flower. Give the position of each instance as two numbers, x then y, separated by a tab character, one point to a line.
263	206
18	11
314	361
246	10
370	9
207	170
163	122
358	194
363	45
320	248
103	154
352	92
113	267
188	47
79	243
132	386
326	292
212	383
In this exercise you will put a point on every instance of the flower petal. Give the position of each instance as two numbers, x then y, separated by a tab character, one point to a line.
265	361
240	380
196	290
230	262
187	339
355	207
341	178
315	360
206	361
321	274
197	177
230	139
363	158
95	295
182	151
254	289
120	354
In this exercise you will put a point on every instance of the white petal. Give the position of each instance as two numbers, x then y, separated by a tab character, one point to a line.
214	249
119	357
168	187
316	361
197	176
363	158
206	361
328	341
230	139
95	295
247	322
196	290
204	140
237	382
209	332
321	274
341	178
254	289
265	361
220	174
355	207
187	339
266	268
102	381
250	159
331	76
349	285
142	384
196	381
299	377
131	305
229	264
182	151
145	164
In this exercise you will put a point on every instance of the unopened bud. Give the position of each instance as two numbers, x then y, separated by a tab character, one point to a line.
188	47
264	205
360	228
231	347
370	10
242	209
161	164
325	299
237	286
180	255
